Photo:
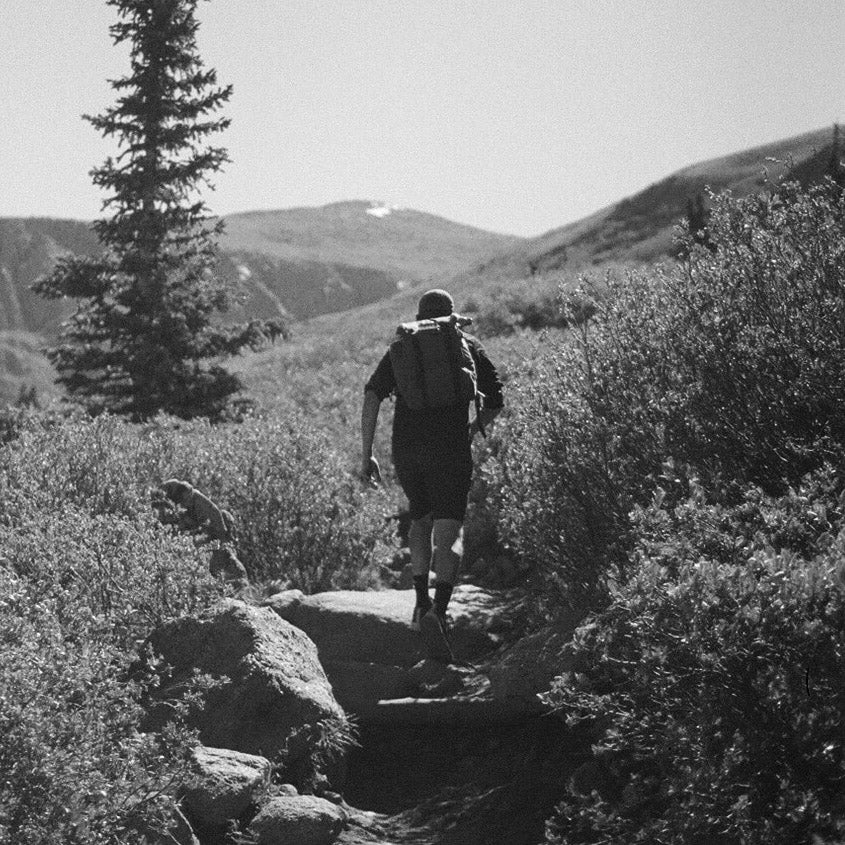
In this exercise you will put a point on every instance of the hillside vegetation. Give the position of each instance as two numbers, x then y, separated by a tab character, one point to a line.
300	263
287	265
670	463
639	229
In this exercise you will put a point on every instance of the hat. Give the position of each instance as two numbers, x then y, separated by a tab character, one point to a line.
435	303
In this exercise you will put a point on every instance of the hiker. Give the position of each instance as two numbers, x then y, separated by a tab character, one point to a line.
431	448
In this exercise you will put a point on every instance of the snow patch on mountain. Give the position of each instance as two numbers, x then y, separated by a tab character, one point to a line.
380	210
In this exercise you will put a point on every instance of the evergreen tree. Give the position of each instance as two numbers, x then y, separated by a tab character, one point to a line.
146	336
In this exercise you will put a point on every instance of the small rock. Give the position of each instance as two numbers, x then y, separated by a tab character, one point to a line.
303	819
286	789
529	666
225	784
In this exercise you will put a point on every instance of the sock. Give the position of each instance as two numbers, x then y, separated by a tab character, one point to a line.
421	587
442	594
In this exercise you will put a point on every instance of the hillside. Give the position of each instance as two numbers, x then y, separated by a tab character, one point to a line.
297	263
407	244
639	228
300	262
308	262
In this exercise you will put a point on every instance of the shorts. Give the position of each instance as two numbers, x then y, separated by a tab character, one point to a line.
435	483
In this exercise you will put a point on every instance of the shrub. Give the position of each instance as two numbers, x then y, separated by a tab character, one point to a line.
103	466
716	688
559	499
733	363
302	516
75	593
756	338
519	306
128	575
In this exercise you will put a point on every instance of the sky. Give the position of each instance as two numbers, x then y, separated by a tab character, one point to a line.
516	116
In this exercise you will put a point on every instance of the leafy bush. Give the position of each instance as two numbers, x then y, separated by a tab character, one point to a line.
79	590
716	688
557	488
733	363
128	575
518	306
86	571
74	768
757	341
302	517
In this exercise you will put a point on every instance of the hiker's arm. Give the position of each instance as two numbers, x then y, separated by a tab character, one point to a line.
369	418
490	385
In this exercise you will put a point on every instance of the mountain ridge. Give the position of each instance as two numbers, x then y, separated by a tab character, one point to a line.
312	261
639	227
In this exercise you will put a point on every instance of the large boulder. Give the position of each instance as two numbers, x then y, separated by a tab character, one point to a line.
224	785
366	643
272	692
300	819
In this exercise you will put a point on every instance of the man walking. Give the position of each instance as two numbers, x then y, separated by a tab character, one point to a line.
433	461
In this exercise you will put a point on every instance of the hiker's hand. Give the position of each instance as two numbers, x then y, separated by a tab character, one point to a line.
370	472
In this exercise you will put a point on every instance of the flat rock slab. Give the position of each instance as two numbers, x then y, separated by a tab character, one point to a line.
374	627
453	710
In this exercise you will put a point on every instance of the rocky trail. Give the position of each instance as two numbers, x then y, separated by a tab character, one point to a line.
458	754
463	754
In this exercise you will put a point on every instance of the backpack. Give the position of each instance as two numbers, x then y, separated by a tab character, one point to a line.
433	364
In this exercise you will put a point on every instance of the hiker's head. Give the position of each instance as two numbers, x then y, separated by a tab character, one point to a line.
435	303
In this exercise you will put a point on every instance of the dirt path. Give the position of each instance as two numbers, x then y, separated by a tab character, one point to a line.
458	784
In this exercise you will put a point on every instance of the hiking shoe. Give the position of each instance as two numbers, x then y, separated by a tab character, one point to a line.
435	636
419	612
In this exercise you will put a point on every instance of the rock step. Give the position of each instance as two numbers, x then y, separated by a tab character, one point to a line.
449	711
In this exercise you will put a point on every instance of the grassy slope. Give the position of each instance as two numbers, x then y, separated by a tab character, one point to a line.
639	228
404	242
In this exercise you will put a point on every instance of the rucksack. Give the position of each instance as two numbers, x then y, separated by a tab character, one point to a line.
433	364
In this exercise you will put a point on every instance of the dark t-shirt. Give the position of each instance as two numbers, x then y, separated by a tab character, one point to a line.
441	428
